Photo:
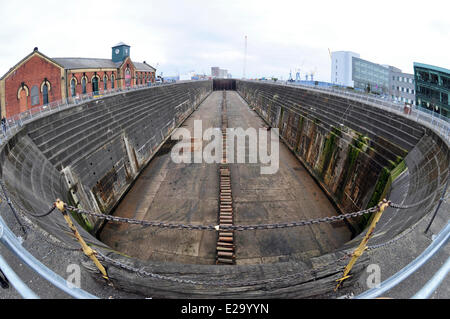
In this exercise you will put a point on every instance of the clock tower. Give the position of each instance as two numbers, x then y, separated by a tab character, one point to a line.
120	52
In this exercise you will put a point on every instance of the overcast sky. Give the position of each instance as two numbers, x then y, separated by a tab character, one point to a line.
180	36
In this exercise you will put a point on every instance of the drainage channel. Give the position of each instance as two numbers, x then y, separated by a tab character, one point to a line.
225	241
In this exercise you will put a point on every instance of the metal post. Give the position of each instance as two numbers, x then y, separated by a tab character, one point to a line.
86	249
363	245
438	206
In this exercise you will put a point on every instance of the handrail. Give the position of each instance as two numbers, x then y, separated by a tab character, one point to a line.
11	242
434	282
15	122
440	124
440	240
15	280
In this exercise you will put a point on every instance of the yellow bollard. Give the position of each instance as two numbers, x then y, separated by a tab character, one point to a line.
363	245
86	249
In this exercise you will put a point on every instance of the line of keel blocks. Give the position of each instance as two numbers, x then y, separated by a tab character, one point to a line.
225	242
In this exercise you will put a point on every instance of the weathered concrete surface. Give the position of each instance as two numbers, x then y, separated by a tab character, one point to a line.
179	193
187	193
344	145
289	194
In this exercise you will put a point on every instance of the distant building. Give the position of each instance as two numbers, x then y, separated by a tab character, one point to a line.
401	86
432	88
348	69
38	80
342	67
217	72
370	77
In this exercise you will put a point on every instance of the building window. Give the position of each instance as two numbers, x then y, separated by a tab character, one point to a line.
22	96
83	85
105	82
127	77
45	94
112	81
34	95
73	84
95	84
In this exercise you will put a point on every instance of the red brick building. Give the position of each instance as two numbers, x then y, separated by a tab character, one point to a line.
38	80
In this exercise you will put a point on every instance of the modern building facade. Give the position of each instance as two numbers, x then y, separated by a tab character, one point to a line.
432	88
369	76
348	69
342	67
402	86
38	80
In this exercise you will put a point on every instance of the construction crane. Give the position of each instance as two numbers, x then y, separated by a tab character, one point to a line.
297	76
290	76
245	57
312	73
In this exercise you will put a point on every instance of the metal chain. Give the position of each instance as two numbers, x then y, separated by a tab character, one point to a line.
11	200
394	240
398	206
142	272
220	227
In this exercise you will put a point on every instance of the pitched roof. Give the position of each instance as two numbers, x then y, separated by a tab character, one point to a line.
120	44
143	67
35	52
86	63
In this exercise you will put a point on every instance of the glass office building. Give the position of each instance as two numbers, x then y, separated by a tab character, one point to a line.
432	88
370	77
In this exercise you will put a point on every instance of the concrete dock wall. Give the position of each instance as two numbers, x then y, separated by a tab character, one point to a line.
91	153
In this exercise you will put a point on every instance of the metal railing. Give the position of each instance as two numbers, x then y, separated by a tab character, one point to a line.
14	244
440	240
15	122
438	123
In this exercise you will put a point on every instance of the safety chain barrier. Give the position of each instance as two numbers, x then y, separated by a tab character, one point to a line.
216	283
18	207
222	227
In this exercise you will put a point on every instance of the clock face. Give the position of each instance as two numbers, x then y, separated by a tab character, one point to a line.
117	51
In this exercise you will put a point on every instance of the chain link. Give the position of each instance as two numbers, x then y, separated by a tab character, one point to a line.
240	283
220	227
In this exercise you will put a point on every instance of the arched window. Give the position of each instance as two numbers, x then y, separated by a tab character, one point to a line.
45	93
83	85
95	84
112	81
45	88
105	82
127	77
73	84
22	96
34	95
